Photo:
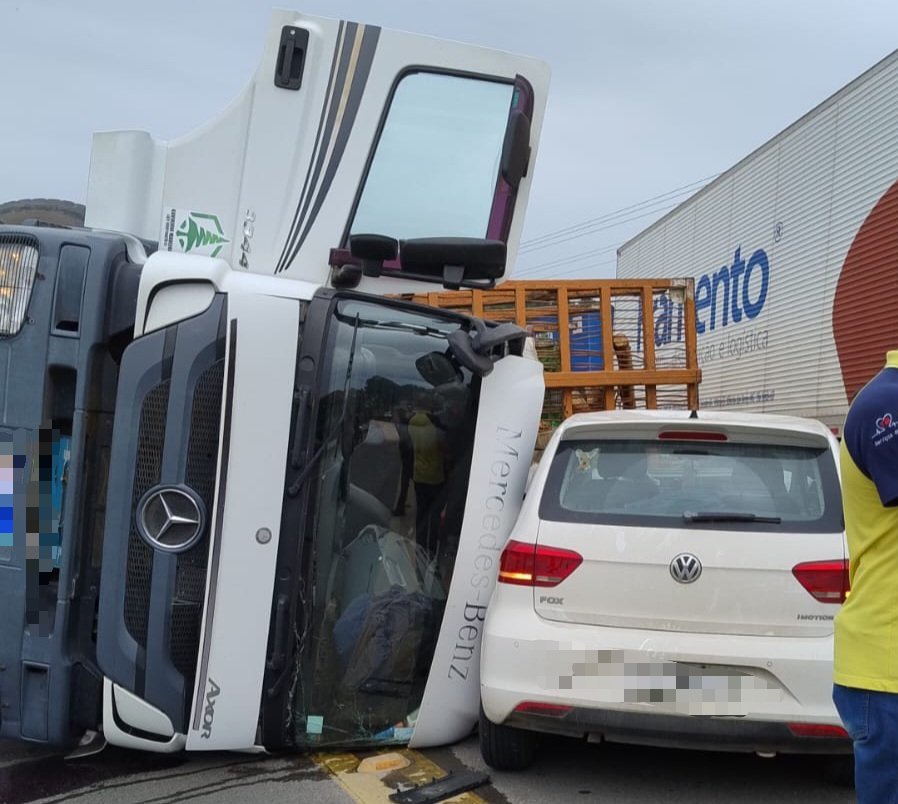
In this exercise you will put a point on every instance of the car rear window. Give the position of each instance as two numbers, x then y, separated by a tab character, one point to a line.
720	485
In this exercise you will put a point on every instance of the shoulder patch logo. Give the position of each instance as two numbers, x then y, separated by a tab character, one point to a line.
883	423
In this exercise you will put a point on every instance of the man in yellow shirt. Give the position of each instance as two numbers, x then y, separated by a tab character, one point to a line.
429	473
865	669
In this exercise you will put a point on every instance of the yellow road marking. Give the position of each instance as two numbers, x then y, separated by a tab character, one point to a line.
371	788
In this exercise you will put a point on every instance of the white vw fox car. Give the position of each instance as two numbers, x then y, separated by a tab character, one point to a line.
672	580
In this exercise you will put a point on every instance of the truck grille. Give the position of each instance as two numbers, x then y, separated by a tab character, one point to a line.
150	440
165	449
202	459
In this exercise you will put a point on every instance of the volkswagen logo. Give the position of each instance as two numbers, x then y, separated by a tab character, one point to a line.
685	568
171	518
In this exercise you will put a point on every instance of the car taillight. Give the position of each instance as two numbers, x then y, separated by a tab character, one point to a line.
817	730
691	435
827	581
536	565
540	708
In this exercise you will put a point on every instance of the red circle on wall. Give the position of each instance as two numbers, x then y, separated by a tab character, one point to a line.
865	307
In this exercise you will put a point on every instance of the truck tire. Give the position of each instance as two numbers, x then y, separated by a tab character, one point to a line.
506	748
53	211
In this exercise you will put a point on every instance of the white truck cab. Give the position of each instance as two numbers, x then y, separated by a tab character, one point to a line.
285	492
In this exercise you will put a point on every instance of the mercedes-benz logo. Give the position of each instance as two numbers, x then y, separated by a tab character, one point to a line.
685	568
170	518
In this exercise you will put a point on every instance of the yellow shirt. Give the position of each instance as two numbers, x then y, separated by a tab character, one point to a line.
429	450
866	627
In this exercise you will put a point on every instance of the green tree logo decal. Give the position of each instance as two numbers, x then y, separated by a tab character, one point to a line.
202	231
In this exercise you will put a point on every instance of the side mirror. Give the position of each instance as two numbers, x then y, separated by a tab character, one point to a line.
373	250
458	261
437	369
470	262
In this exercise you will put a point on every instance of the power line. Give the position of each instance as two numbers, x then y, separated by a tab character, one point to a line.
622	210
566	272
613	225
608	222
569	232
593	252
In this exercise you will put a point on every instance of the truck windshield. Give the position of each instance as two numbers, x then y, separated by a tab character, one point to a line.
395	430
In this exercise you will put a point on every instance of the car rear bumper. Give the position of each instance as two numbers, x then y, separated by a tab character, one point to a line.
655	687
680	731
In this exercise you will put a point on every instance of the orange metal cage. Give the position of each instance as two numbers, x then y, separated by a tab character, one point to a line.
627	343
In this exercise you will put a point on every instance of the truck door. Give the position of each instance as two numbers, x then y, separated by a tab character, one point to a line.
396	517
345	129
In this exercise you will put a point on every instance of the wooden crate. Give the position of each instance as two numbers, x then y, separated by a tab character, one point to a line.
627	343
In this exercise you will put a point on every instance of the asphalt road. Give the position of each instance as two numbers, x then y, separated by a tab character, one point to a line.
565	772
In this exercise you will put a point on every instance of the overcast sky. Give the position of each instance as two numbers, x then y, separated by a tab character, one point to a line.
648	97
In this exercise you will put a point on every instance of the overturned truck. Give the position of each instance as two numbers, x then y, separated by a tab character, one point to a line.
256	488
242	507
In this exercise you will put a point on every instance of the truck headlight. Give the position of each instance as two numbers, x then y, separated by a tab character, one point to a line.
18	265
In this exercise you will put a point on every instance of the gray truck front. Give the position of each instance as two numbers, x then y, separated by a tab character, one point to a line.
67	301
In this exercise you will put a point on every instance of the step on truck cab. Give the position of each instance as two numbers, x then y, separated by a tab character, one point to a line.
251	502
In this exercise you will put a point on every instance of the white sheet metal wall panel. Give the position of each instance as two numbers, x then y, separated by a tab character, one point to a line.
796	305
801	198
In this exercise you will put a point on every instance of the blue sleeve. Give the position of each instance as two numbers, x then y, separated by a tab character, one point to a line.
871	436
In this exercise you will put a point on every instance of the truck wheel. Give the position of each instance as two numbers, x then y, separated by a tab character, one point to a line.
52	211
506	748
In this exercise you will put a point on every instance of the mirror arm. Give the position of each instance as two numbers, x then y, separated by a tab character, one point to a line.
372	268
488	338
373	250
462	347
473	349
346	277
453	276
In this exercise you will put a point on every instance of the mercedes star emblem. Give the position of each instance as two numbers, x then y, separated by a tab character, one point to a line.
170	518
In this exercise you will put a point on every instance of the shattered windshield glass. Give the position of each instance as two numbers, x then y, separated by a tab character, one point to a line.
395	432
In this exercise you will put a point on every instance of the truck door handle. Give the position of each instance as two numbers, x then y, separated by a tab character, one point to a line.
291	57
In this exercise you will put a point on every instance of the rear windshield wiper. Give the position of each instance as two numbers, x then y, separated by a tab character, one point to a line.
729	516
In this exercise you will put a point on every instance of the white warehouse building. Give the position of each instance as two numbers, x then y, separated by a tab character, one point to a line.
794	252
